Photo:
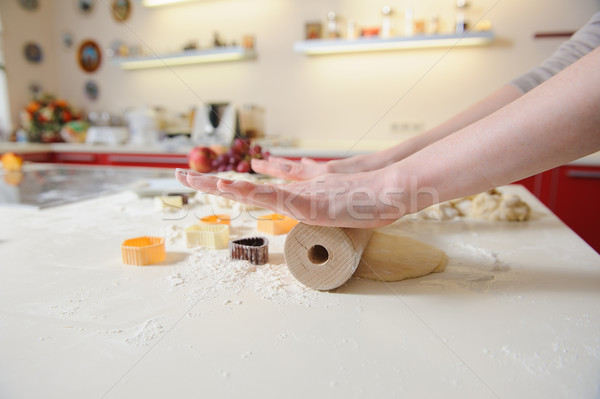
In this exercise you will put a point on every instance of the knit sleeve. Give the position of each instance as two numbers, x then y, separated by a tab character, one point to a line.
582	42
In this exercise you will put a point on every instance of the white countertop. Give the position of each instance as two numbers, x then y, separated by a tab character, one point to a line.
516	314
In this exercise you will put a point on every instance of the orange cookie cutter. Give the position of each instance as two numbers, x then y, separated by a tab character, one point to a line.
209	235
141	251
216	219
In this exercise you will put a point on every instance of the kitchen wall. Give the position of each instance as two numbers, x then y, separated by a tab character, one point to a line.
369	96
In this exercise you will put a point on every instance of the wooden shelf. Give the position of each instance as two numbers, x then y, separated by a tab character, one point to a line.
337	46
218	54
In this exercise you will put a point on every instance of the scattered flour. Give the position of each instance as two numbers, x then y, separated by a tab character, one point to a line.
146	332
207	274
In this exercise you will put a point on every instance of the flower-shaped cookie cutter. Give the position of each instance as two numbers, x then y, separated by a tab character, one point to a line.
145	250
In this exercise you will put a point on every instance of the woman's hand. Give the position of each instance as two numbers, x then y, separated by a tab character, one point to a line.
291	170
369	199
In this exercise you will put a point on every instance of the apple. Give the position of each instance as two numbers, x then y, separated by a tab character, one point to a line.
201	159
11	162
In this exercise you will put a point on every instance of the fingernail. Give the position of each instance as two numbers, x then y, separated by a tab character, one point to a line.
181	172
225	181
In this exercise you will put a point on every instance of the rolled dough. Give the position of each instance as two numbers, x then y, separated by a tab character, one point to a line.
390	257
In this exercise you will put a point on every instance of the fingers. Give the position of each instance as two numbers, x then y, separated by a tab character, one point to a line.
279	167
275	198
264	196
280	199
250	193
181	176
198	181
308	161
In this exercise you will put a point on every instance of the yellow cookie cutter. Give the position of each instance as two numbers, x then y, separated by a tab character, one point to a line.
144	250
209	235
275	224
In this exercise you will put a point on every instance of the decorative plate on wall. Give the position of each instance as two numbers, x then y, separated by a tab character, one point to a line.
121	10
33	53
91	90
89	56
85	6
29	4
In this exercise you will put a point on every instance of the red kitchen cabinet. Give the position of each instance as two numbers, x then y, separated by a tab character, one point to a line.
573	194
123	159
543	186
38	156
577	199
79	158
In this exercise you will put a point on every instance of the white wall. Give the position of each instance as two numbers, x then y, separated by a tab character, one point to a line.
327	97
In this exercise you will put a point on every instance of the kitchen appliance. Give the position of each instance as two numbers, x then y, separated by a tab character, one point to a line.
215	123
143	126
109	135
220	123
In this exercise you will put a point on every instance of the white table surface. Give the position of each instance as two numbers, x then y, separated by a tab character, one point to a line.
515	315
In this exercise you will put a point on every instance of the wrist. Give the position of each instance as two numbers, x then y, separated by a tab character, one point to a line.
413	186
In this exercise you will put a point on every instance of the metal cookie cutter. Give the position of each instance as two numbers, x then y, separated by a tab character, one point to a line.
253	249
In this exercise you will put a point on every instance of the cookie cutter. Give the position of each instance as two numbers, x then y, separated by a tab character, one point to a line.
145	250
169	202
216	219
208	235
253	249
275	224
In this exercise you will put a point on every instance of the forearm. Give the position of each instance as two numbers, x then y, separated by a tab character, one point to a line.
555	123
381	159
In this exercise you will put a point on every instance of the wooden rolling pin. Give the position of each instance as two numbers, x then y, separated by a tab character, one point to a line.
324	258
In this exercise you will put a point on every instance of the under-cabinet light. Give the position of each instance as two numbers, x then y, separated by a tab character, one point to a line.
188	58
158	3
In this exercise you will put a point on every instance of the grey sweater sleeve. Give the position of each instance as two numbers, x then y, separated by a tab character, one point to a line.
582	42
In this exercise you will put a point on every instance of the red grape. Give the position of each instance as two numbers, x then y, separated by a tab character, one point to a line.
243	167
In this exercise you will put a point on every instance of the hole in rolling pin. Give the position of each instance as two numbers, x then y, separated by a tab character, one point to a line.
318	254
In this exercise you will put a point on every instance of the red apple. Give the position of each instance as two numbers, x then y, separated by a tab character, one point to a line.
201	159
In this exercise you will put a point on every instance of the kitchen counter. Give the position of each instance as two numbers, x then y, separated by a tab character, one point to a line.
321	149
516	313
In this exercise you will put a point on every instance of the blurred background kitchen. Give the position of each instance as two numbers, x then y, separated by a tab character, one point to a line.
166	83
312	101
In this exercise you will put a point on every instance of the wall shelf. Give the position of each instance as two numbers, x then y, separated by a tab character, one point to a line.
337	46
219	54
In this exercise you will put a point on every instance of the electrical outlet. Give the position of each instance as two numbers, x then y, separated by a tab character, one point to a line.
407	127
